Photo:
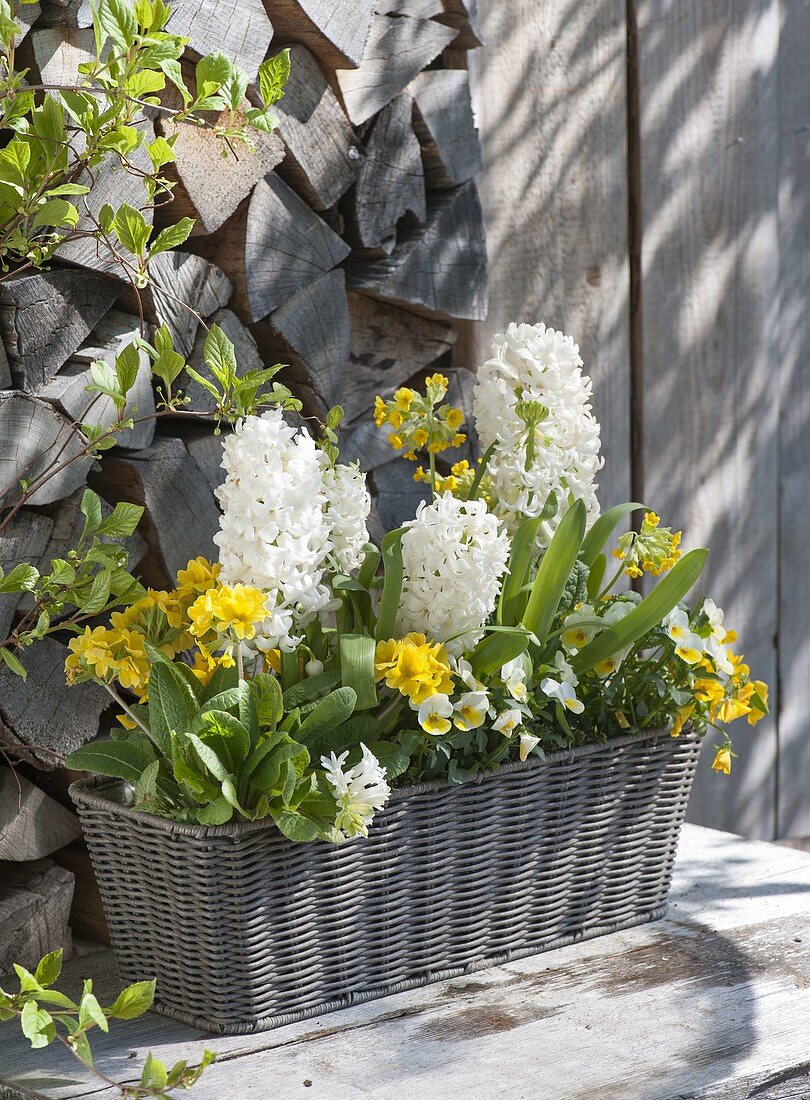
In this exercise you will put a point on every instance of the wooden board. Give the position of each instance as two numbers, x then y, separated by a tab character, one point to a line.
712	1002
549	88
710	269
34	907
793	355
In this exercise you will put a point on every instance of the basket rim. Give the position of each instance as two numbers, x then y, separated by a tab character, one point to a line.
87	792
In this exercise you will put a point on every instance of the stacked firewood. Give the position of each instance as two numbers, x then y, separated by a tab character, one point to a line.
349	246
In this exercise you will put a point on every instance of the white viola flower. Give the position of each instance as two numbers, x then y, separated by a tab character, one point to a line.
562	692
435	714
360	790
715	615
347	510
463	670
470	710
535	373
579	628
513	675
688	644
527	742
566	671
719	654
508	721
454	554
273	530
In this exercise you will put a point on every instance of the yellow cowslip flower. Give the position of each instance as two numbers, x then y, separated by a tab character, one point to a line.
395	418
419	437
454	418
91	652
681	718
403	398
420	474
414	667
457	440
653	549
722	759
439	381
228	610
380	411
396	442
651	519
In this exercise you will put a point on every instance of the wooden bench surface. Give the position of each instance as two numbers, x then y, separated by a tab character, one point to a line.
712	1002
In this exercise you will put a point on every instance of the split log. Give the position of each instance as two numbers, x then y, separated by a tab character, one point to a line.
56	52
396	495
334	30
462	16
247	359
26	538
272	247
66	13
417	9
68	390
182	288
37	438
111	184
206	450
388	346
45	316
444	125
181	513
26	17
67	523
32	825
35	903
5	369
87	916
239	28
391	182
397	49
42	718
444	269
322	151
363	442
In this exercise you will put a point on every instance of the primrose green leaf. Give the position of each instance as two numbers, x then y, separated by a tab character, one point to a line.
117	759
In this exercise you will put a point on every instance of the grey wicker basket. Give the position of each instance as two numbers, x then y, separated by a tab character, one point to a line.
247	931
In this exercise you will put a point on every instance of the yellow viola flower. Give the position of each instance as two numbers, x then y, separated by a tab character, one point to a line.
470	710
760	689
729	710
722	759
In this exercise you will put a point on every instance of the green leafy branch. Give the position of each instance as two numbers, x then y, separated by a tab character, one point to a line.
70	1023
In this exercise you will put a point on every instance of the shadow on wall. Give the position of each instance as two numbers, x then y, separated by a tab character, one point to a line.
721	412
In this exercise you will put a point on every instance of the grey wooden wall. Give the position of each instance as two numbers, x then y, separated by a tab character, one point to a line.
647	189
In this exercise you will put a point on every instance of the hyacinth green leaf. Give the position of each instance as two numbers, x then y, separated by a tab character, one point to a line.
604	527
646	615
368	569
357	668
596	576
496	650
524	546
392	585
554	571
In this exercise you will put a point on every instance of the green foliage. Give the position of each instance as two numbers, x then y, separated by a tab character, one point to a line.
71	1023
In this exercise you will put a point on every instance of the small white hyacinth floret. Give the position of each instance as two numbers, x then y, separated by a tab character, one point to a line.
360	791
536	368
273	532
347	510
454	554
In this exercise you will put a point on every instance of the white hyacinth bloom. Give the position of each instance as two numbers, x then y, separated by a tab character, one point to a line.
454	554
347	510
535	364
360	790
274	532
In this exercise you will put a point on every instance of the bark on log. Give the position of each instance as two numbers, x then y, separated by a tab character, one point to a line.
272	247
41	717
444	125
334	30
45	316
313	325
181	513
397	49
239	28
25	539
391	182
182	288
35	903
247	359
68	390
32	825
35	437
322	149
442	270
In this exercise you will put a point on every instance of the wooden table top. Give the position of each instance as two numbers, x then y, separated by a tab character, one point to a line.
712	1002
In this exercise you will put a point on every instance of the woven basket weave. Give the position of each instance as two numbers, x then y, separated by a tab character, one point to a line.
248	931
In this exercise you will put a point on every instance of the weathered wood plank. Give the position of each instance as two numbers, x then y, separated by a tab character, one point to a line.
67	523
710	267
334	30
45	315
444	125
322	149
42	715
554	192
441	269
34	908
730	958
38	440
793	353
239	28
32	825
25	539
397	49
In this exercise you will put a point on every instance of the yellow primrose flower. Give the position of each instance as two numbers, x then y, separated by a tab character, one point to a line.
722	759
681	718
133	666
91	652
198	576
414	667
228	610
